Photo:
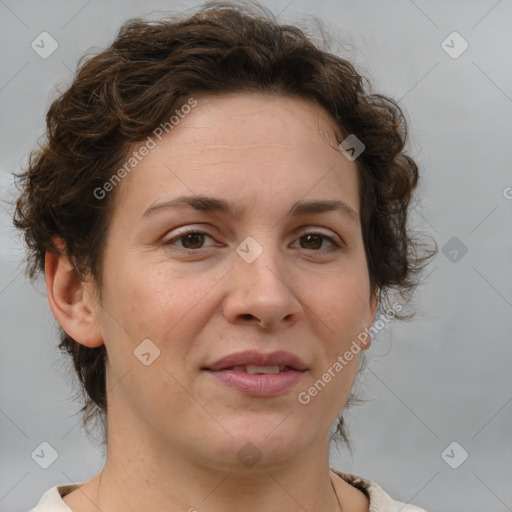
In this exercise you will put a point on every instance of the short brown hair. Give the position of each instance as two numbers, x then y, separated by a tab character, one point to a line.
120	95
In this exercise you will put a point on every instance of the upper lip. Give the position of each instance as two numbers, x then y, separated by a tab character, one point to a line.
254	358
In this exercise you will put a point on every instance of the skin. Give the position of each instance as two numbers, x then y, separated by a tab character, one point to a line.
173	430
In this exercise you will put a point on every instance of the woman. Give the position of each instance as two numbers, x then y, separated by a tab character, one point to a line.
220	212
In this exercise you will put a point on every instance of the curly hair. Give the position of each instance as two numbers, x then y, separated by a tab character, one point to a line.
119	95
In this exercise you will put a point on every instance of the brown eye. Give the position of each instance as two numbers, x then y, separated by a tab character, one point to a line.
191	240
313	241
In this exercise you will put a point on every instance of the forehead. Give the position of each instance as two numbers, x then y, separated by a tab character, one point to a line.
285	119
245	146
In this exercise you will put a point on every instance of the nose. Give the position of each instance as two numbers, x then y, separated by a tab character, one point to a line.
262	293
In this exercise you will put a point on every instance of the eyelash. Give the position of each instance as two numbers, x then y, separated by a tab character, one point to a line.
189	231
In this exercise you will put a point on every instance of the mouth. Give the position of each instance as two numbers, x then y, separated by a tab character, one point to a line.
250	360
259	370
255	374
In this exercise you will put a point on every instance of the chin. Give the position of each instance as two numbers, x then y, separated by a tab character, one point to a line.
256	444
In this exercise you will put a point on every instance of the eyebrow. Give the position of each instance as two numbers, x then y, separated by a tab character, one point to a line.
213	204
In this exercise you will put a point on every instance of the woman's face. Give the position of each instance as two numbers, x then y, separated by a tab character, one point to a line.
267	277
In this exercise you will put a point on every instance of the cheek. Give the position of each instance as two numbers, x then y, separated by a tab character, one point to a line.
155	302
341	302
145	294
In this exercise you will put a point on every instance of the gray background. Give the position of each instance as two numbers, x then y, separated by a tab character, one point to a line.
443	377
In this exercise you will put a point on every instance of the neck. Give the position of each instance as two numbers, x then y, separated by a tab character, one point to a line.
145	478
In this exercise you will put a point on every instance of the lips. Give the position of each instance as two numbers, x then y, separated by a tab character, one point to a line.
257	370
250	359
260	375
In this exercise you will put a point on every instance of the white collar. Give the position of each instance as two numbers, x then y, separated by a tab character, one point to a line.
380	501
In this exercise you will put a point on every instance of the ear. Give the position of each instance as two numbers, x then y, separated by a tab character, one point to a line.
370	318
71	300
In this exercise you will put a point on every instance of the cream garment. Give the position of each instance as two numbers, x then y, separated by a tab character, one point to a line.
380	501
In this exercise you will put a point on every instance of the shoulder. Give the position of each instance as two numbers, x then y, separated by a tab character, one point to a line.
52	501
380	500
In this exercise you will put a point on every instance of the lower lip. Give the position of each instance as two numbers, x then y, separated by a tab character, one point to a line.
268	384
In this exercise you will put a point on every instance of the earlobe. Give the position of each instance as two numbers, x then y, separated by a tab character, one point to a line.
70	300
